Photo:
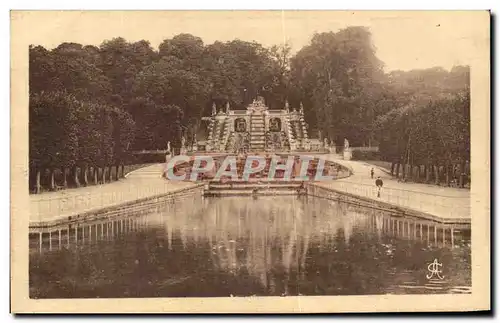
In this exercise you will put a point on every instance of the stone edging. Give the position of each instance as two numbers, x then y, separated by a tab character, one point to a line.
356	199
97	212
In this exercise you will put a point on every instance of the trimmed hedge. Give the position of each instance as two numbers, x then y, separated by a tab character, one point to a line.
366	155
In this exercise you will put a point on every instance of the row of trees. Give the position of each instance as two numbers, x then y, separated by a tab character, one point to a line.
90	106
342	84
67	134
420	119
428	139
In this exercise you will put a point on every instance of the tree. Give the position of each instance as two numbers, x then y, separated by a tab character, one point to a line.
72	115
337	75
434	133
53	139
121	61
90	105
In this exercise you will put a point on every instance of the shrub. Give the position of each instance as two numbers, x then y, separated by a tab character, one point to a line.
365	155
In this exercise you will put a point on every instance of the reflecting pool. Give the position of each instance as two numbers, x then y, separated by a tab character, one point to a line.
281	246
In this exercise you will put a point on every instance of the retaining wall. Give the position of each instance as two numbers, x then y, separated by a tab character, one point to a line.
333	194
136	206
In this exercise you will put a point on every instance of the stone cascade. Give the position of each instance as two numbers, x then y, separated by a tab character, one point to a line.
218	134
285	142
289	133
225	134
303	127
277	141
257	132
231	143
297	130
257	128
211	132
238	141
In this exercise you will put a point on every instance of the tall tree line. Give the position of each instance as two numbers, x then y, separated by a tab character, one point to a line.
91	105
427	137
420	119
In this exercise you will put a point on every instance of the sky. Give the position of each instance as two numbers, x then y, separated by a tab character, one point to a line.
403	40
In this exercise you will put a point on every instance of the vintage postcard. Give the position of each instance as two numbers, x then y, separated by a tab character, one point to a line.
250	161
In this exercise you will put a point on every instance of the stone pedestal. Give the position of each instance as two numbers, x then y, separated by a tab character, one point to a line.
347	154
307	145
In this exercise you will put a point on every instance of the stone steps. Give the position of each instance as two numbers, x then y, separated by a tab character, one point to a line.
249	193
257	133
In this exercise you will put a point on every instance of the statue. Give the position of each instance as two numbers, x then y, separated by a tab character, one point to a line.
325	142
287	107
275	125
214	109
168	154
307	144
241	125
227	107
347	151
183	145
301	108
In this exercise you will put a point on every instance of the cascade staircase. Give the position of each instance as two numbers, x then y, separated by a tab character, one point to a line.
219	135
257	132
216	134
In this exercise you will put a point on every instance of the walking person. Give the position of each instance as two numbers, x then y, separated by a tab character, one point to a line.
379	183
372	172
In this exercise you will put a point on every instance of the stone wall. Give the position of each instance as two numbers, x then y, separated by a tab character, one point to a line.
317	190
194	193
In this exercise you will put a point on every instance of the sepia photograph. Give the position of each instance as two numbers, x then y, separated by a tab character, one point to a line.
250	161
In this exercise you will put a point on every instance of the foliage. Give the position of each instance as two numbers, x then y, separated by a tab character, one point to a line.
340	81
65	131
92	105
429	130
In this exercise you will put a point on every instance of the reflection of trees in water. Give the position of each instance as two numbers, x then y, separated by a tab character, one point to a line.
275	246
265	237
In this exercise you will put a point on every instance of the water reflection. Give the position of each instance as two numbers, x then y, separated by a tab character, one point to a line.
246	246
